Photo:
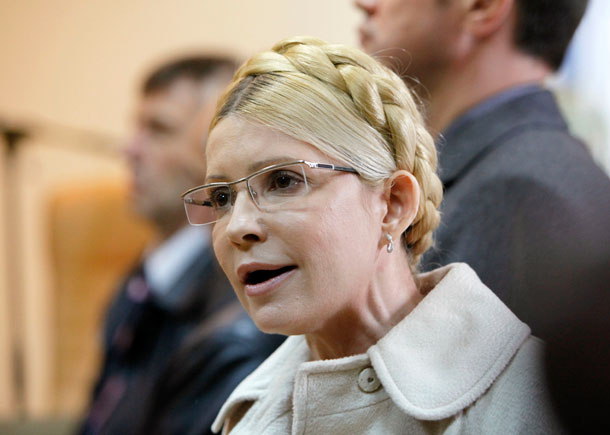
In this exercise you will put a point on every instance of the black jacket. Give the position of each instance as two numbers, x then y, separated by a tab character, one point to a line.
168	370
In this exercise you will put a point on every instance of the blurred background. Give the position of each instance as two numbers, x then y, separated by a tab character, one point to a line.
69	76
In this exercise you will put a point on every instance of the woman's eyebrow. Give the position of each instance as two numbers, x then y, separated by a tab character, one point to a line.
252	167
255	166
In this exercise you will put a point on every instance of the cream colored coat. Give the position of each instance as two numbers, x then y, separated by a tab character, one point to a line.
460	362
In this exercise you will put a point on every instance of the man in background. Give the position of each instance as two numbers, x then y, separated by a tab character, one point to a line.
514	177
176	341
524	203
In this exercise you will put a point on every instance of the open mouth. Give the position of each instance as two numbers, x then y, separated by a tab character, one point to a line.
259	276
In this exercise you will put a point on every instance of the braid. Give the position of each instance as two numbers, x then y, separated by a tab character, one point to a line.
370	92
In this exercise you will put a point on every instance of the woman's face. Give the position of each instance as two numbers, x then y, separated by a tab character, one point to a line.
306	265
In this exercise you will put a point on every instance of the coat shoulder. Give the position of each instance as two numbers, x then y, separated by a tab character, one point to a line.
518	402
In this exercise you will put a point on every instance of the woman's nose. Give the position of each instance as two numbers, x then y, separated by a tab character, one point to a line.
245	227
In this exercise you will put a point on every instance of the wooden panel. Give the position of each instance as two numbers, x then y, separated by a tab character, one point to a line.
7	375
95	239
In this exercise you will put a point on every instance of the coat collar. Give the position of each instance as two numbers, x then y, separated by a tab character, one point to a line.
437	361
449	350
490	123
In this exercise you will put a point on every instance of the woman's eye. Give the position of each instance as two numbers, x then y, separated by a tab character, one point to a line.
220	197
284	181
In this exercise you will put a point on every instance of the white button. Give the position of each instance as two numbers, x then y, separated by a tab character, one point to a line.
368	382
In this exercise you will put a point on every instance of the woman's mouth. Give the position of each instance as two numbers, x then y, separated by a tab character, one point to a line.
262	280
262	275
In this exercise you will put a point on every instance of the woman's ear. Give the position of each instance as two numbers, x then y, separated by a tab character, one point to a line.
402	198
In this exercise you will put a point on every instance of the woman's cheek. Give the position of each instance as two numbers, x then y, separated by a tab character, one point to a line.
222	249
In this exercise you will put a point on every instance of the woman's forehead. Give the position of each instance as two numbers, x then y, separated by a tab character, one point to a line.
237	147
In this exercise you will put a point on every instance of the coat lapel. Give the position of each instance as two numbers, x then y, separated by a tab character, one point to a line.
448	351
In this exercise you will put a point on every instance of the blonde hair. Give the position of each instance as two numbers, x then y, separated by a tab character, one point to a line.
348	106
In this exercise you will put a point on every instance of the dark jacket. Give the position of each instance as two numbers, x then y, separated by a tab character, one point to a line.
168	369
524	205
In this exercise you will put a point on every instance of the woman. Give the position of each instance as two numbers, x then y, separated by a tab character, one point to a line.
322	189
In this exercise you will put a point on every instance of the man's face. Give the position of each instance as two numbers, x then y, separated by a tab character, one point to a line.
165	152
414	37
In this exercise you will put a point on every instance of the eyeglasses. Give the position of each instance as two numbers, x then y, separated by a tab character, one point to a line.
269	187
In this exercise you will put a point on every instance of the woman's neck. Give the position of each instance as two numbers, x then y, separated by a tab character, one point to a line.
390	295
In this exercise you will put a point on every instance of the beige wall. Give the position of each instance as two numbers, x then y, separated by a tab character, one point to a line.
69	70
76	62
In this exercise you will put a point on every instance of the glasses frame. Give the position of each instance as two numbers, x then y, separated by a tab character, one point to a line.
312	165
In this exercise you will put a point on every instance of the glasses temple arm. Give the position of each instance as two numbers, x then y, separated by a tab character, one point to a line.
331	166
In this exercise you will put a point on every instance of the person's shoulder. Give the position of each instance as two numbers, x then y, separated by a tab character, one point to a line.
554	148
548	166
244	332
237	341
221	356
520	148
530	133
518	401
523	383
542	147
519	398
528	364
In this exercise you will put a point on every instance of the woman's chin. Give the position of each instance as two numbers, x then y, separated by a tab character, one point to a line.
272	322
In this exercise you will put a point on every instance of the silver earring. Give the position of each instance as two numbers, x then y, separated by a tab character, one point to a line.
390	246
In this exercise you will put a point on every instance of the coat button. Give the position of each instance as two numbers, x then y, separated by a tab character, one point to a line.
368	382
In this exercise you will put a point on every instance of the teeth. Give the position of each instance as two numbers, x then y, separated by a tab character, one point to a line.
259	276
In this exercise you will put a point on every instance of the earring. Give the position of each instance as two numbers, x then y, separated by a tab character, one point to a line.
390	246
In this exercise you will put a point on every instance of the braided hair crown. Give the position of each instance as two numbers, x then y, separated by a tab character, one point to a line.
350	107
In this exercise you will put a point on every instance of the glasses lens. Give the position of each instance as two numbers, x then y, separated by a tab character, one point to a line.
270	188
279	185
201	205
